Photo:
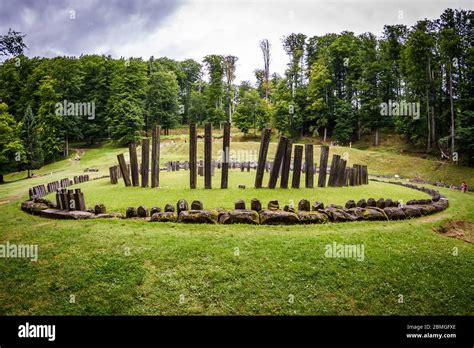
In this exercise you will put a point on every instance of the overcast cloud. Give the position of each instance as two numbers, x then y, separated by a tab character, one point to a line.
194	28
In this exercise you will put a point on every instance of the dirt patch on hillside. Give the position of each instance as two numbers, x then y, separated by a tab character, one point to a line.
458	229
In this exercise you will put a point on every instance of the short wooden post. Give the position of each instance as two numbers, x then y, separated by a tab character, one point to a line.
124	170
280	152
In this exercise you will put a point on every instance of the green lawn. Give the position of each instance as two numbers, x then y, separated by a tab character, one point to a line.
134	267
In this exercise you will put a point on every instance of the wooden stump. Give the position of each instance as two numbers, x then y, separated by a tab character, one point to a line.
145	161
280	152
309	162
155	157
207	155
124	170
323	166
285	168
225	159
134	163
262	157
295	183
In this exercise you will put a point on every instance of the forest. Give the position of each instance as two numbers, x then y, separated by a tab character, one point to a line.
336	87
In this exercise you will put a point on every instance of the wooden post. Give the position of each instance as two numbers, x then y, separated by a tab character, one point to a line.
366	175
280	152
333	173
285	171
124	170
262	157
309	161
192	156
113	175
356	174
134	164
225	159
155	156
341	169
207	155
323	166
297	166
145	161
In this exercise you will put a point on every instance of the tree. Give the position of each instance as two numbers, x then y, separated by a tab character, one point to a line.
50	123
162	103
12	43
230	66
191	76
252	112
265	47
11	148
33	152
128	116
215	92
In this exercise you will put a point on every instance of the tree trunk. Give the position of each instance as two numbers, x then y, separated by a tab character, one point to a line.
325	134
66	146
428	145
376	140
29	174
1	179
452	107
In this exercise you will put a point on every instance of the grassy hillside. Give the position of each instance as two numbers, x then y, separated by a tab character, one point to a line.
135	267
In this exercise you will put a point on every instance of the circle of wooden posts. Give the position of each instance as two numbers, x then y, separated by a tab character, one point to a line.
339	173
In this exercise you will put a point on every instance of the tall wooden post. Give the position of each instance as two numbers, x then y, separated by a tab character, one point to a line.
225	159
333	172
134	163
285	171
155	157
145	161
124	170
323	166
207	155
262	157
308	154
192	156
297	166
280	152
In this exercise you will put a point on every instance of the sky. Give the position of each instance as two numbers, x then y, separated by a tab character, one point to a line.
195	28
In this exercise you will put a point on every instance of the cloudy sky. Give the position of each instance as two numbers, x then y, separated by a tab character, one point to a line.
194	28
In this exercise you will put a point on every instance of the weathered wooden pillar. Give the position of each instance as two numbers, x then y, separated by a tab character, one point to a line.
366	175
285	171
207	155
155	156
359	168
295	183
309	161
192	156
113	175
341	169
280	152
145	161
134	163
323	166
333	173
262	157
124	170
356	174
226	153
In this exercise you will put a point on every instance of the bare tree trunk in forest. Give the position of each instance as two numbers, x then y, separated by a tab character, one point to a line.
1	179
433	137
428	146
325	133
376	140
452	107
66	146
265	47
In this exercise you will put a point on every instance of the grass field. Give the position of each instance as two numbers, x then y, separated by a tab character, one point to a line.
134	267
